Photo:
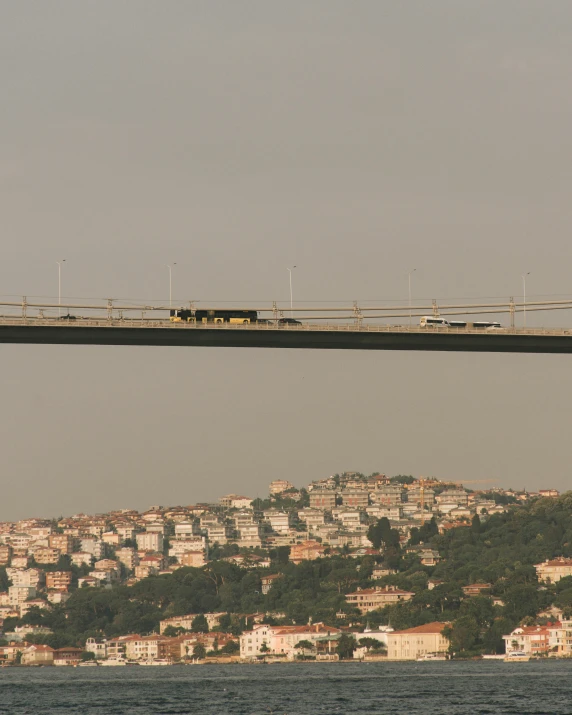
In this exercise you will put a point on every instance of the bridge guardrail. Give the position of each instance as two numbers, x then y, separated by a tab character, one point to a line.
80	322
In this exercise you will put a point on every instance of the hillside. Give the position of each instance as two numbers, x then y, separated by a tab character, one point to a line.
500	551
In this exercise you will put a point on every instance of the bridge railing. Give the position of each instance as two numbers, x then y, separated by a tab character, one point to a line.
136	323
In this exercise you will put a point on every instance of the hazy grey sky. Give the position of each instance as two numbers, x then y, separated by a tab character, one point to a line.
357	140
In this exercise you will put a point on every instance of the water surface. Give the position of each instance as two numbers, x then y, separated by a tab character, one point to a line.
450	688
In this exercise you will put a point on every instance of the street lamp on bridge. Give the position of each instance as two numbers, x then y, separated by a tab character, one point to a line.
409	279
291	299
170	267
524	297
60	285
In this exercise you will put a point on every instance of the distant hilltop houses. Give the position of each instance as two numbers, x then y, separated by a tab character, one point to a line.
47	559
44	561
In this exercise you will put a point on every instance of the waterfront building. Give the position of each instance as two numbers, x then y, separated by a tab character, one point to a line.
414	643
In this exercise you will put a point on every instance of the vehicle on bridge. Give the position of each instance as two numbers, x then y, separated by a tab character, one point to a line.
477	325
436	322
428	321
236	317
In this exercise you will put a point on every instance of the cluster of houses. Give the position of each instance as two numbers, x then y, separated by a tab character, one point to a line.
126	546
330	515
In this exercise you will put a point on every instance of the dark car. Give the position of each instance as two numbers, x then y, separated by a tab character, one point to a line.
291	321
68	317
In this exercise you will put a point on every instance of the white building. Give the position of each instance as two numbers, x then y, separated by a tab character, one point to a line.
281	640
150	541
413	643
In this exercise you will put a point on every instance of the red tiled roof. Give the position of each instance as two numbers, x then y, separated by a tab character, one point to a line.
434	627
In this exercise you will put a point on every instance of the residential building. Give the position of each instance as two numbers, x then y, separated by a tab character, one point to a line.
268	581
413	643
81	557
46	555
38	655
128	557
278	486
378	511
186	622
111	537
235	501
477	589
311	517
429	557
186	530
67	656
64	543
552	570
353	497
388	494
280	521
26	577
370	599
150	541
93	546
58	580
350	518
324	499
306	551
281	639
416	494
219	533
58	597
126	532
5	554
98	648
534	640
18	594
196	559
458	497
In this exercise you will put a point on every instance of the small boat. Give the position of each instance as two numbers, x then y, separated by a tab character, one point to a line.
155	661
113	661
517	657
431	657
88	663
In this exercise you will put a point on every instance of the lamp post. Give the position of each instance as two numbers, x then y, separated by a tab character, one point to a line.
170	267
524	297
409	280
60	285
291	299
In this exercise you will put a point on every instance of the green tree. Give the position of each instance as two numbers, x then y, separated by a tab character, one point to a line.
230	648
371	644
464	634
303	646
199	624
346	646
199	651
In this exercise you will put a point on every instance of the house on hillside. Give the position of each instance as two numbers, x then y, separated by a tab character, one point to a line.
552	570
370	599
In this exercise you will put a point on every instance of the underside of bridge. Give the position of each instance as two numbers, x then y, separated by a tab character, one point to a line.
75	334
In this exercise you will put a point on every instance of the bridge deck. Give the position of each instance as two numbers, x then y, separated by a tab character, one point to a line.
307	336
